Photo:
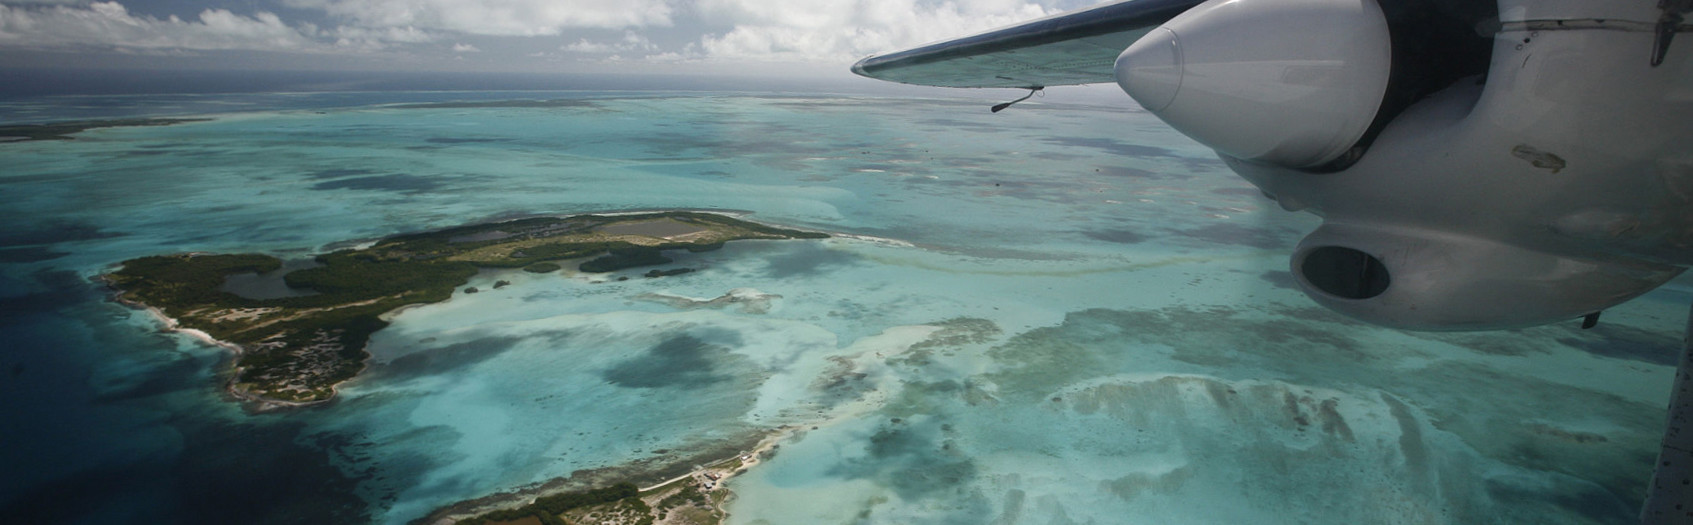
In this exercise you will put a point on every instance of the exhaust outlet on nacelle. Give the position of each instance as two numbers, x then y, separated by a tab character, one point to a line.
1424	280
1344	272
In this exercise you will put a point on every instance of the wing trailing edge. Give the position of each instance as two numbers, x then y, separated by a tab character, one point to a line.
1078	47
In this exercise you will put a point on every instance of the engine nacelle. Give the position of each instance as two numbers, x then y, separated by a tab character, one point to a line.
1294	83
1426	280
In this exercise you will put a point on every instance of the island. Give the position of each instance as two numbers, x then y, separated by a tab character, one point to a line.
64	130
687	489
294	350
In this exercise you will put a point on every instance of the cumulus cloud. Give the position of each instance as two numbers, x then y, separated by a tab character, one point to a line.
691	30
110	24
496	17
369	39
806	30
820	30
631	41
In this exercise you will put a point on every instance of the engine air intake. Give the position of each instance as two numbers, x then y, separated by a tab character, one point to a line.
1345	272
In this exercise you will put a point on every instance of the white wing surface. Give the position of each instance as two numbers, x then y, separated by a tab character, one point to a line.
1078	47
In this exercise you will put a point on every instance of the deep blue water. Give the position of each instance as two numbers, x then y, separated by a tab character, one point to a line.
106	424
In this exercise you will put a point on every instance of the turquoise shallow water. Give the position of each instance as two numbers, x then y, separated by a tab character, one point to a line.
1056	314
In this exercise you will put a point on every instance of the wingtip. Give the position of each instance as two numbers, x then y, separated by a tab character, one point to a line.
858	67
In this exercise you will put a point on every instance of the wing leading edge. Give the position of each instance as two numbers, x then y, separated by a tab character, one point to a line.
1078	47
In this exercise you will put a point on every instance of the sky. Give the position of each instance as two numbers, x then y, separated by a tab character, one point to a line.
754	37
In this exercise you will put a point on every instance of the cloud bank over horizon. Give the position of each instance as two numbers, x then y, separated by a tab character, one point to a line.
111	25
555	31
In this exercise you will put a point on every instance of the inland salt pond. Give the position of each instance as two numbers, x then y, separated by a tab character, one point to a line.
1060	313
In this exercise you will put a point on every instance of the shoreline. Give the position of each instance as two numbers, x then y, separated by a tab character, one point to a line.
752	458
249	400
705	466
874	239
708	461
300	350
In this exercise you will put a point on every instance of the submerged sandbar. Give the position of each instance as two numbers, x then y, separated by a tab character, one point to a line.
294	350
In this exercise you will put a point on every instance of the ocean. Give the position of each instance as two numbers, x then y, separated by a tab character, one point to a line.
1062	313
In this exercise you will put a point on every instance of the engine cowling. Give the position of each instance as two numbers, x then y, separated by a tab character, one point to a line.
1429	280
1293	83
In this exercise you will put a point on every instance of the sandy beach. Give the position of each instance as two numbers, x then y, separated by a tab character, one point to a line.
255	402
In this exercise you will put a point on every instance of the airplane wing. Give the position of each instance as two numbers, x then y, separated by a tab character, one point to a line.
1077	47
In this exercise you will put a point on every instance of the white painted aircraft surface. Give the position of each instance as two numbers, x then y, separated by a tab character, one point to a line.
1477	164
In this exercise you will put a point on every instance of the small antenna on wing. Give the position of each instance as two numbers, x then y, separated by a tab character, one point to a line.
1668	25
997	107
1590	320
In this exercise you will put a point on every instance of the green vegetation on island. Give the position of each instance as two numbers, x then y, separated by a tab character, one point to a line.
547	509
625	258
694	499
296	349
653	274
542	267
687	487
64	130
